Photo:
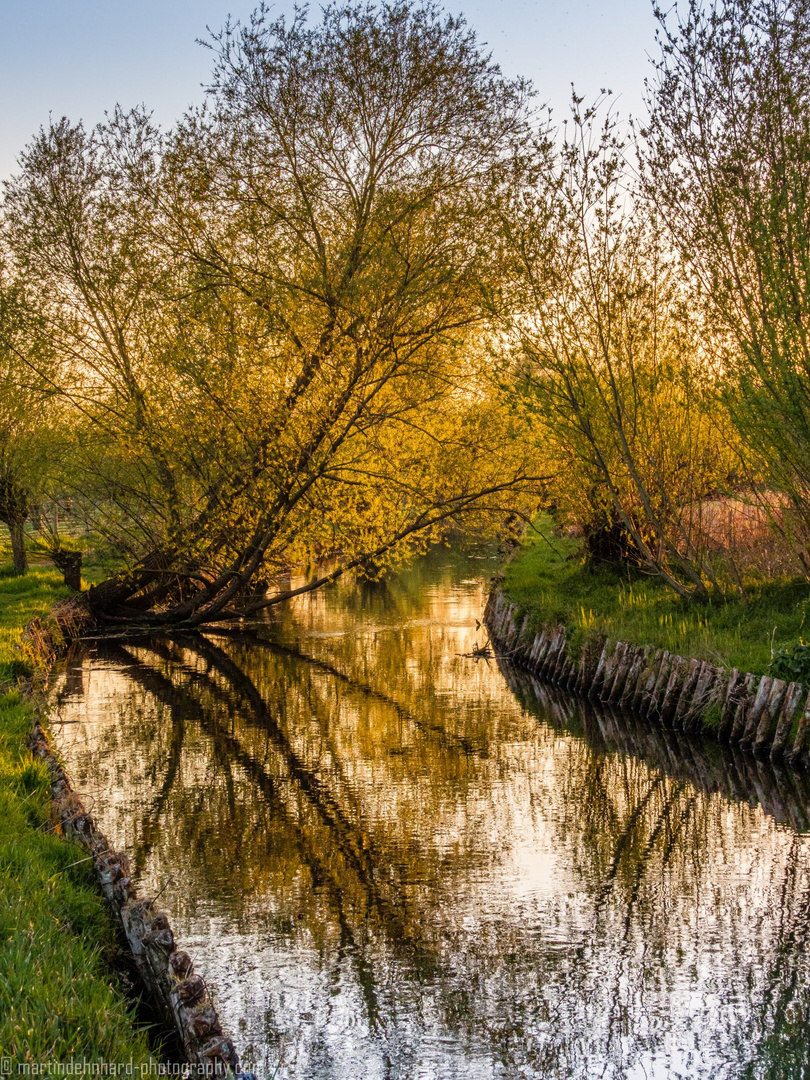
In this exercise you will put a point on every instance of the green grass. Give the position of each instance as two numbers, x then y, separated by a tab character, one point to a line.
57	999
22	599
550	578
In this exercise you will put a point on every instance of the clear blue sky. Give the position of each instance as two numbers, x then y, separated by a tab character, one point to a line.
80	57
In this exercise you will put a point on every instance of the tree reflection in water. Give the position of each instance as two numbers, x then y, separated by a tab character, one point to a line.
393	862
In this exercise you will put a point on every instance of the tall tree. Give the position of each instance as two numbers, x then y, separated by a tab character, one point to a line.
275	312
728	166
25	420
609	369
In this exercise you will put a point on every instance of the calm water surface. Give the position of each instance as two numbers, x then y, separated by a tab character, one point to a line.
392	861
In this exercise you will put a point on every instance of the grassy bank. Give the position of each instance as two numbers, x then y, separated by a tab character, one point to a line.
550	579
57	1002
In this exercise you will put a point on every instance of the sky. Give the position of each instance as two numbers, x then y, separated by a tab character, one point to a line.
79	58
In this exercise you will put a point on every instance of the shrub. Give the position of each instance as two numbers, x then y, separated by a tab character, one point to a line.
792	663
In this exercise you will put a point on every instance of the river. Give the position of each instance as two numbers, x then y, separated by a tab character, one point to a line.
391	860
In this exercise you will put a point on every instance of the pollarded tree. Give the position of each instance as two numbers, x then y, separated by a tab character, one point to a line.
24	413
728	166
275	313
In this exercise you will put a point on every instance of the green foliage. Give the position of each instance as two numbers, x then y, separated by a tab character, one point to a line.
551	578
792	663
711	717
273	314
728	167
610	370
367	292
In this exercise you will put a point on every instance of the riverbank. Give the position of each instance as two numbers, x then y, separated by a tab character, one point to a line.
58	1002
551	582
640	650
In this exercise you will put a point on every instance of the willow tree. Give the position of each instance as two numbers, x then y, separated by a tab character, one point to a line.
26	420
728	167
609	369
274	314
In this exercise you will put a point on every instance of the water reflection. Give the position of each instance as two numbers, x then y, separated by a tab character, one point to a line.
394	862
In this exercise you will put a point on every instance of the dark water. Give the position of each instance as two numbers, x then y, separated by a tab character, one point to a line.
392	861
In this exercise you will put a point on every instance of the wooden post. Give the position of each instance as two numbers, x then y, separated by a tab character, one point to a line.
695	709
637	661
548	652
581	672
545	645
638	664
572	674
770	718
741	714
646	682
537	648
588	666
705	692
730	703
644	693
524	639
673	689
622	673
512	632
553	654
569	672
798	752
556	666
612	669
599	675
562	661
687	693
654	707
755	712
634	698
794	695
715	696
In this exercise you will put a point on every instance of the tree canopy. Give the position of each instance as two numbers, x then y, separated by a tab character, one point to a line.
366	291
272	319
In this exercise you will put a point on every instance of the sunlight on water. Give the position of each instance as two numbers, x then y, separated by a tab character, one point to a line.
393	861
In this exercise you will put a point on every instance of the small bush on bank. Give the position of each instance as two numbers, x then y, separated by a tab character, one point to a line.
792	663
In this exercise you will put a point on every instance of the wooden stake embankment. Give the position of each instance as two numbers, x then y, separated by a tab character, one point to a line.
736	774
753	712
166	973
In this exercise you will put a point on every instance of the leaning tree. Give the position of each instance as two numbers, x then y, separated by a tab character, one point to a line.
274	314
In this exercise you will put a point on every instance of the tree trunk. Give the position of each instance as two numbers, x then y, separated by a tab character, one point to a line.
18	553
70	563
14	512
